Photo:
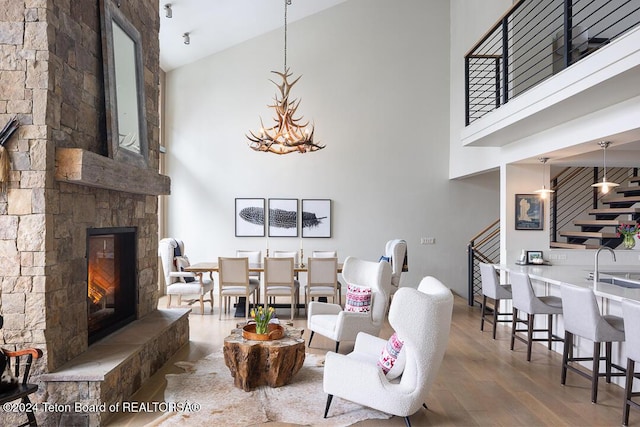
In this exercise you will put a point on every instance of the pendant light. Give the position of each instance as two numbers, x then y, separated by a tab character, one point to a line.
289	134
544	191
605	185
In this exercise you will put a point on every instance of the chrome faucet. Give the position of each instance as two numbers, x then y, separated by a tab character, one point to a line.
596	273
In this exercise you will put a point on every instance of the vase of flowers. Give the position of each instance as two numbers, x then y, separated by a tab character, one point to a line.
262	316
260	328
629	233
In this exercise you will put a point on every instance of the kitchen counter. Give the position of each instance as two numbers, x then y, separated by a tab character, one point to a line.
579	275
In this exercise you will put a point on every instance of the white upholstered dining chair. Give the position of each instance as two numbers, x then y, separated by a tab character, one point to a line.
279	281
179	283
322	279
233	276
330	254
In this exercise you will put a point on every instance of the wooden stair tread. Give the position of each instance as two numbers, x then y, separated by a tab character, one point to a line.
614	211
564	245
635	179
628	189
602	222
622	199
589	234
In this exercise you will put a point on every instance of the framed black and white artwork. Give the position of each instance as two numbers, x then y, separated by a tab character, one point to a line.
316	218
250	217
283	217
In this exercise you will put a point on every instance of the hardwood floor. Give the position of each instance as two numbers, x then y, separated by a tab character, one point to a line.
481	382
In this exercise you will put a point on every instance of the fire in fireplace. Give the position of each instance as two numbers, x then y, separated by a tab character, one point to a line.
111	280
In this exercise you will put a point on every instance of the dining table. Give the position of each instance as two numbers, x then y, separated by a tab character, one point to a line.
200	268
212	267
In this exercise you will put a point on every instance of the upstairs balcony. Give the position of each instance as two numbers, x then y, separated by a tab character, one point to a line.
522	78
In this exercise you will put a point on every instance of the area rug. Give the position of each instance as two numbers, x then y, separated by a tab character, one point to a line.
208	383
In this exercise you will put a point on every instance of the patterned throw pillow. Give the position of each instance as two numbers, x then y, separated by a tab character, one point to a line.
358	299
181	263
392	358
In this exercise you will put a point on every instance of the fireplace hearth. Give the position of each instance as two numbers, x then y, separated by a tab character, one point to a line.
111	280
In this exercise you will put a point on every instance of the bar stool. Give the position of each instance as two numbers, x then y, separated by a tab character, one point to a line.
525	300
491	288
582	318
631	316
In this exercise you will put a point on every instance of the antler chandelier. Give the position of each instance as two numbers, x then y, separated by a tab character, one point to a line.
289	134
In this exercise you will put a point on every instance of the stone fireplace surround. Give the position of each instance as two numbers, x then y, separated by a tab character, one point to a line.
61	184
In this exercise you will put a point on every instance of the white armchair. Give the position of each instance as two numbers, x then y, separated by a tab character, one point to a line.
332	321
422	319
396	251
182	283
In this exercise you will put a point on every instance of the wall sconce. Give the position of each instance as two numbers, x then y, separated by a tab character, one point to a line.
168	11
187	39
605	185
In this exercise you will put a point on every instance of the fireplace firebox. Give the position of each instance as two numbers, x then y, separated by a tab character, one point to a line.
111	280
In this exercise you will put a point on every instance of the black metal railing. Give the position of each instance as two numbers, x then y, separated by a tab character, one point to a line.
483	247
526	46
574	196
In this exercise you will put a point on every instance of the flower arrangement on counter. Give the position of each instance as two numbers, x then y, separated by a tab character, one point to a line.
262	316
628	230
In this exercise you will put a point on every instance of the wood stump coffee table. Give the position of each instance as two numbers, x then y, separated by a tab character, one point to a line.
254	363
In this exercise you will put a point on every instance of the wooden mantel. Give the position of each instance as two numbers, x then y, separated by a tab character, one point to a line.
78	166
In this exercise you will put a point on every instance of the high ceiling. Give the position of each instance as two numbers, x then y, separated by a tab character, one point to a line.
215	25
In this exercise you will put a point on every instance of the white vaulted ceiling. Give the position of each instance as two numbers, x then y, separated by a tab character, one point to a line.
215	25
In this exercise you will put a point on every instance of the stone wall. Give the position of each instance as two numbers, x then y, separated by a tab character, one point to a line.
51	78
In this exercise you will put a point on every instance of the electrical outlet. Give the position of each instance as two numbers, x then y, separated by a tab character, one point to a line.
427	240
562	256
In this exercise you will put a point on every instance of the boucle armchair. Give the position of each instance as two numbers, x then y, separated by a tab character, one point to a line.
338	324
422	319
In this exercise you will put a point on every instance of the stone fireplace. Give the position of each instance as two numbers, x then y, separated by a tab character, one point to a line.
63	186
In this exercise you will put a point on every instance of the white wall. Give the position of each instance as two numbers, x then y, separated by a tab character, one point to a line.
376	80
470	19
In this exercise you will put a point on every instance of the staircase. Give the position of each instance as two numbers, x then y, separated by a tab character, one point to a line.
601	231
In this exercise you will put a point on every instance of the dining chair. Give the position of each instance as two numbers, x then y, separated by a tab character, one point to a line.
491	288
322	279
289	254
255	258
181	283
525	300
631	316
330	254
234	281
279	281
582	318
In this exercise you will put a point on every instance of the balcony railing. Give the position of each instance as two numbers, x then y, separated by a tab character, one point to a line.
526	46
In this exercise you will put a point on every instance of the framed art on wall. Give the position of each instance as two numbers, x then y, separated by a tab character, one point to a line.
249	217
529	212
283	217
316	217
